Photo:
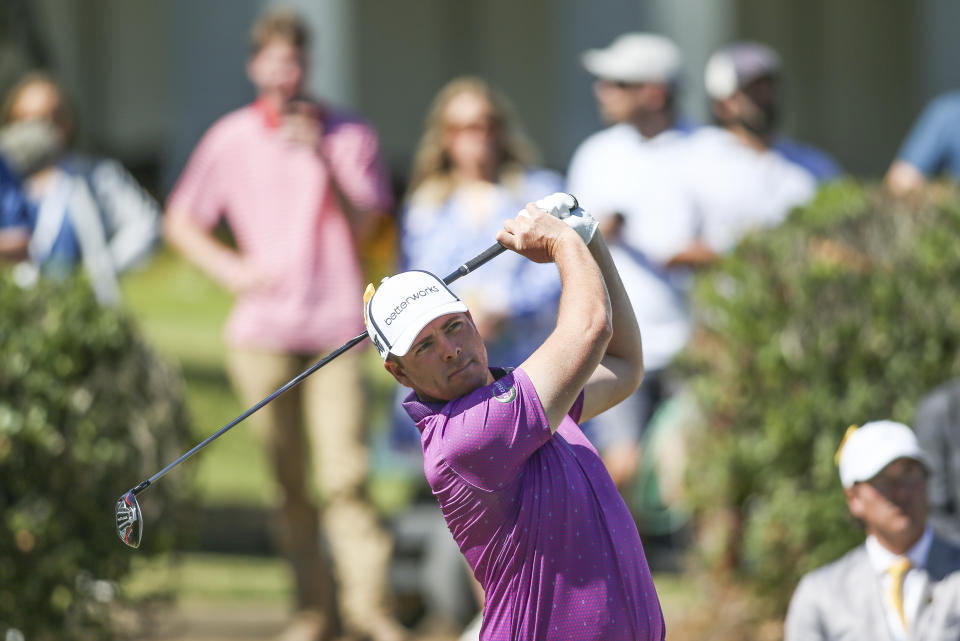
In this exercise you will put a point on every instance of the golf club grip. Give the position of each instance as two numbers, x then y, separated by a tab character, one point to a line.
486	255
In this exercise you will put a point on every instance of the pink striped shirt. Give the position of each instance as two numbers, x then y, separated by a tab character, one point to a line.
277	199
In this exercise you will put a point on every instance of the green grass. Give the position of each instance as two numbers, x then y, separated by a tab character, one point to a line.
181	312
218	579
179	309
212	579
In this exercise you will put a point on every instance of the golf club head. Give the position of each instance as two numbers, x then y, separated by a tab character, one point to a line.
129	520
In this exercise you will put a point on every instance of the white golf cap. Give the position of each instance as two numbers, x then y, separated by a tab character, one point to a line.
403	305
635	57
734	67
865	451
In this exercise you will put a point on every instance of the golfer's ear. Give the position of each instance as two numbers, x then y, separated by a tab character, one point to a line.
396	370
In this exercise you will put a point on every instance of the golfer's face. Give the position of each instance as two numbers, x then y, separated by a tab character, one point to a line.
447	360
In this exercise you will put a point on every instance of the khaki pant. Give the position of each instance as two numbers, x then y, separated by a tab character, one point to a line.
323	416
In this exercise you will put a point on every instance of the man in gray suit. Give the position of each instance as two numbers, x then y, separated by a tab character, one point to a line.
903	583
938	430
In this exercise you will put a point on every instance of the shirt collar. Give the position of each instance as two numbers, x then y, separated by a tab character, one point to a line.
881	558
419	410
268	112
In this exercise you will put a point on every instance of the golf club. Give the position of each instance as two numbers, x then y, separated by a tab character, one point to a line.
128	515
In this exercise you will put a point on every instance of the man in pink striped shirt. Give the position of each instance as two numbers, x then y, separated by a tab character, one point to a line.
297	183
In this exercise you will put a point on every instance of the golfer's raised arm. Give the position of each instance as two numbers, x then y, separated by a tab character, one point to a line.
563	365
621	369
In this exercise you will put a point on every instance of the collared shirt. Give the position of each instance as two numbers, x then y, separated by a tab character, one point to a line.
914	582
537	517
277	198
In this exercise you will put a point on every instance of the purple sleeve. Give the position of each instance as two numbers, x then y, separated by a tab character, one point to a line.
577	408
491	433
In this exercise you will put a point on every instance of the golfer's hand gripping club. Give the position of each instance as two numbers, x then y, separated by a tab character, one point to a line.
566	208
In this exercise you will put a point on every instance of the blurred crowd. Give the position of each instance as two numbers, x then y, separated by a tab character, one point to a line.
304	190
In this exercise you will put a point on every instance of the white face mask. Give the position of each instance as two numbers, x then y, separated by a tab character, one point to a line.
30	145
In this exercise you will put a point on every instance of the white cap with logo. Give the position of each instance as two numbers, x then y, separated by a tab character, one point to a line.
635	57
865	451
403	305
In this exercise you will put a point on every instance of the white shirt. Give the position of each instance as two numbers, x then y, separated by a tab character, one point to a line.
914	581
737	189
617	170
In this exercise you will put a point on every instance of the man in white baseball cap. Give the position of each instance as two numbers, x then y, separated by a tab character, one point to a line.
742	177
743	81
630	176
904	581
636	79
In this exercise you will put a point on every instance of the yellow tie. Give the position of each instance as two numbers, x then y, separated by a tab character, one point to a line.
897	570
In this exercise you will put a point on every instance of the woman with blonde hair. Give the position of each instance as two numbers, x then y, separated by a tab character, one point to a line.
472	170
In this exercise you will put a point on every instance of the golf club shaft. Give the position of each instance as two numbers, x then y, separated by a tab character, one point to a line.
485	256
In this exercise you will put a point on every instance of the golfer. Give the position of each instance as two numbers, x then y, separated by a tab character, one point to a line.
524	494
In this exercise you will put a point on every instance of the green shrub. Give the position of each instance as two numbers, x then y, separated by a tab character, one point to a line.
86	412
846	313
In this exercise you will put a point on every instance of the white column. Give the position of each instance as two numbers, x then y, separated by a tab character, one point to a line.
699	27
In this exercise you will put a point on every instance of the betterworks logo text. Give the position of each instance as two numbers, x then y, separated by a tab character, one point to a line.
426	291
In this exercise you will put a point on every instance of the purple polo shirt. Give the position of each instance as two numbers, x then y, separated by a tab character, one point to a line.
537	517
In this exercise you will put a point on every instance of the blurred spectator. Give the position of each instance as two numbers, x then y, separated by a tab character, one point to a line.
938	429
14	208
753	70
738	180
298	183
628	176
904	581
88	210
472	170
931	148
